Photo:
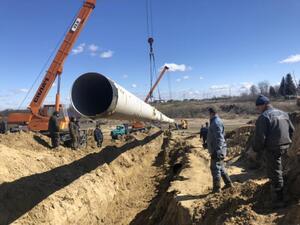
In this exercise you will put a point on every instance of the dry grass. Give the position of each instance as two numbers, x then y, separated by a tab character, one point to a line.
227	109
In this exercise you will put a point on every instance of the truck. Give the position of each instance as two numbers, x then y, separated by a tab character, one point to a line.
120	131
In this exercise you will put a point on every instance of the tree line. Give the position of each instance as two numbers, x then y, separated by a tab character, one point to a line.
287	88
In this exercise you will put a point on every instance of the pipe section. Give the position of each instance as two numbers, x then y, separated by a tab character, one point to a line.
96	96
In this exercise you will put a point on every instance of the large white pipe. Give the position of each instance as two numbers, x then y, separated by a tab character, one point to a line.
96	96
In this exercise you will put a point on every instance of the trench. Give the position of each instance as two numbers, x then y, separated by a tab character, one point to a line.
152	179
124	184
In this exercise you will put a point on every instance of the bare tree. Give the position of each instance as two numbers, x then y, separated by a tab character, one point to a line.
254	90
264	87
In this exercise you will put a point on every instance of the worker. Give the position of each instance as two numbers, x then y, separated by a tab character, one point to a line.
98	136
272	138
74	133
3	127
203	134
53	128
217	148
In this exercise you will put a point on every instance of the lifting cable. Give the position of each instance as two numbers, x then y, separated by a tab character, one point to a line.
153	71
42	71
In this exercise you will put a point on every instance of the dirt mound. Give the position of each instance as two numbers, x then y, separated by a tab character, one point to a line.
250	202
238	140
29	140
242	204
238	108
89	186
293	161
150	179
189	199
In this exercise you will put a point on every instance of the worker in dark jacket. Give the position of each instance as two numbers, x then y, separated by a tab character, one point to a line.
98	136
74	132
273	136
203	134
3	127
53	128
217	148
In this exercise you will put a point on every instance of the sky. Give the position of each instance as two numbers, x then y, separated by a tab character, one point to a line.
213	47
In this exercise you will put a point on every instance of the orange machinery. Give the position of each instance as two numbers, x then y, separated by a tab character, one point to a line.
156	83
141	125
37	118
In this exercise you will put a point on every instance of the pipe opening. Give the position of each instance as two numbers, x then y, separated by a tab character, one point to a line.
91	94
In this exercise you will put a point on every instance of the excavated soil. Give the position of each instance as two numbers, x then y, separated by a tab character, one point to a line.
156	178
89	186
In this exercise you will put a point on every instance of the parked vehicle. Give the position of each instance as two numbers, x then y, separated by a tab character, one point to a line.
120	131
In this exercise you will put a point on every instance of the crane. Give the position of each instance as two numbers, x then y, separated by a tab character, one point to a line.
37	117
137	125
156	83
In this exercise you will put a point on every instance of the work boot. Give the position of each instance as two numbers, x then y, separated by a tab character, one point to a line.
278	202
216	190
216	187
227	179
228	185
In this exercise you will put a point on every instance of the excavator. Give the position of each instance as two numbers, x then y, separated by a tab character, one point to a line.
37	117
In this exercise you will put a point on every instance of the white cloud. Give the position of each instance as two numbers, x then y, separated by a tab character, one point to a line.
173	67
246	85
189	68
93	47
125	76
79	49
185	77
134	85
24	90
201	78
106	54
220	87
13	92
178	80
291	59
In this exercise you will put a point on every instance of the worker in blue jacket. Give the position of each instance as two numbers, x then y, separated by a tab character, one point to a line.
272	138
216	145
